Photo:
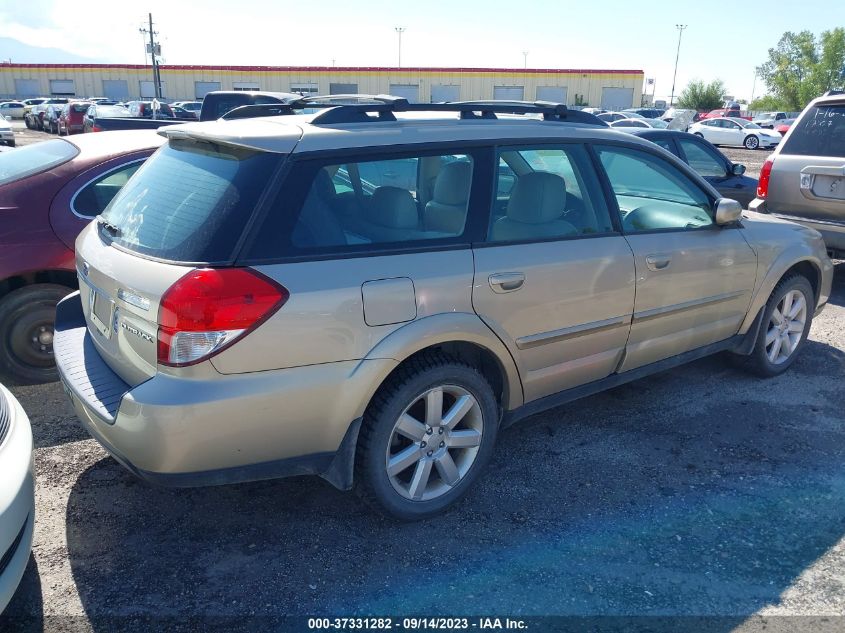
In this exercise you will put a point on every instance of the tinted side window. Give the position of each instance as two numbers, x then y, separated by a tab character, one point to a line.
820	132
93	198
662	142
366	204
544	194
702	159
651	193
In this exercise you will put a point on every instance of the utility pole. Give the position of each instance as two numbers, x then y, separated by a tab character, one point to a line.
680	28
525	59
154	47
400	30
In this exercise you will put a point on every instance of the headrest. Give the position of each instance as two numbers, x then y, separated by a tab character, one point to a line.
537	197
323	185
394	208
453	182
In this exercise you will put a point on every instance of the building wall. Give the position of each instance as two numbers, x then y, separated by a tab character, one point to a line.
180	81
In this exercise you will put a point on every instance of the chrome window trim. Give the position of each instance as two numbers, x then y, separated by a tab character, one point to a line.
95	178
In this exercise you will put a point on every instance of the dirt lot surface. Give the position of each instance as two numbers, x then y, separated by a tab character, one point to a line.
698	491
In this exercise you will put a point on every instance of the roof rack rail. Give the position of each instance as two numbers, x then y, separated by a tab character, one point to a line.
385	105
831	93
363	108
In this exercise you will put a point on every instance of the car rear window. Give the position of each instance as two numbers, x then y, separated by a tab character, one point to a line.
820	132
80	107
34	159
190	201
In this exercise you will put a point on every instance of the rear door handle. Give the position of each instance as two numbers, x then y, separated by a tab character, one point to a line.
658	262
506	282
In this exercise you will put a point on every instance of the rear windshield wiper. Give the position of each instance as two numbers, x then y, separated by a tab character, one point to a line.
113	229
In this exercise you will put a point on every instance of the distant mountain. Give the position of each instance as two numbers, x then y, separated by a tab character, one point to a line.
21	53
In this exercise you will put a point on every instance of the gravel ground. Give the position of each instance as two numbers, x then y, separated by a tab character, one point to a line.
753	159
698	491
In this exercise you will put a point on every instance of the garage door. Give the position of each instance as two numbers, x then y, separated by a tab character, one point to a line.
555	94
117	89
148	90
27	88
509	93
441	92
202	88
343	89
411	92
617	98
62	87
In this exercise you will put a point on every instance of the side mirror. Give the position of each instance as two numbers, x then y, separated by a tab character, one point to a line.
738	170
727	211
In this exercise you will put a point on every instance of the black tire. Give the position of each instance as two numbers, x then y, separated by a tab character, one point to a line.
758	361
28	123
751	142
23	314
409	382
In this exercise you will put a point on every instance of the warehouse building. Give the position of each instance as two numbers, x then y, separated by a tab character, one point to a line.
609	89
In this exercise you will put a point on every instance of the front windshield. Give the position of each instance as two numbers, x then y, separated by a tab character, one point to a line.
658	123
747	124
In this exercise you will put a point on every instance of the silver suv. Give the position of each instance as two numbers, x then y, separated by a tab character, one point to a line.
804	179
370	292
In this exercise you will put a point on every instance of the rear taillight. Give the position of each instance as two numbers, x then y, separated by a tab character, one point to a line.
209	309
763	181
96	128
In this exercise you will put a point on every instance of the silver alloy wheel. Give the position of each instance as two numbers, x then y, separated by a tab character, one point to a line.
751	142
434	442
786	327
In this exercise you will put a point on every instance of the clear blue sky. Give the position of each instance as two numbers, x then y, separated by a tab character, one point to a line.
723	40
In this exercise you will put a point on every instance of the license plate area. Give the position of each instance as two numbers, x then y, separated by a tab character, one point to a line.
101	311
832	187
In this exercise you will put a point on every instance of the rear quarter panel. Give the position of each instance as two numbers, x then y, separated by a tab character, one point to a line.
27	241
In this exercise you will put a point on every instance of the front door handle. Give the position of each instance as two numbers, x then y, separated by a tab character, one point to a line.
658	262
506	282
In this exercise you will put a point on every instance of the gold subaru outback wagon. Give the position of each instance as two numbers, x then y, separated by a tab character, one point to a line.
368	291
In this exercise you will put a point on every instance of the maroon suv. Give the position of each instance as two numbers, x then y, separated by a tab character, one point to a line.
48	192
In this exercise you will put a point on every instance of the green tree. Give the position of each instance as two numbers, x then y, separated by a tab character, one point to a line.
702	96
769	102
800	68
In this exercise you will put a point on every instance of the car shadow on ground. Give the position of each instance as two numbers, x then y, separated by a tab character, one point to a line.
25	611
837	295
697	491
50	414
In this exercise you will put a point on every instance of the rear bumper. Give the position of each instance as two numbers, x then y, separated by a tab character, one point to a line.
215	429
17	500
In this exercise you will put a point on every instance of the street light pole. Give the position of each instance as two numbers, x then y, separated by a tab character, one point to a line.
400	30
753	87
525	58
680	28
